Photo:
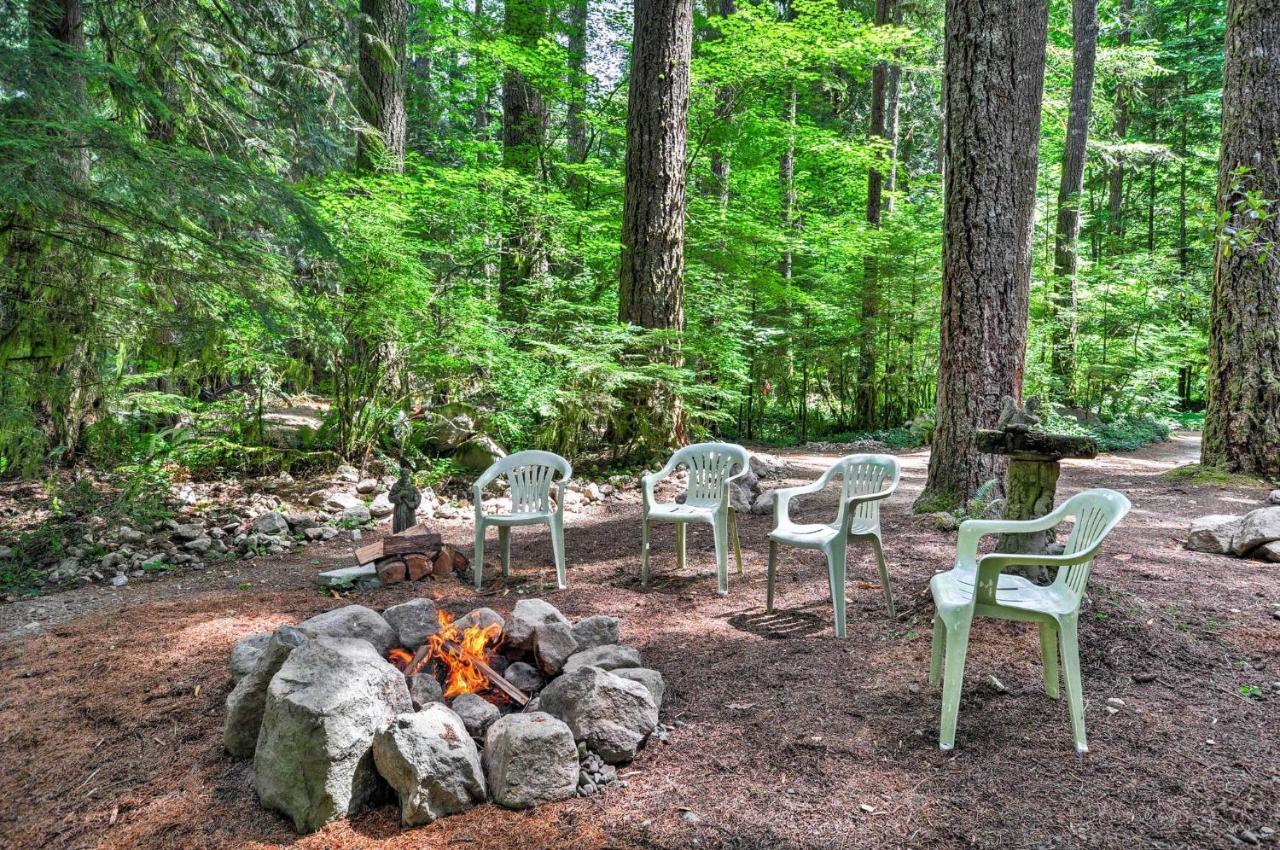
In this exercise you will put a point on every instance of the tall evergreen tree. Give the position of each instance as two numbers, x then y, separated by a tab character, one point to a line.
381	96
651	288
994	61
1242	422
1084	29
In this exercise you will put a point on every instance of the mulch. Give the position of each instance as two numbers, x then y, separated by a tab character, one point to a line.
110	715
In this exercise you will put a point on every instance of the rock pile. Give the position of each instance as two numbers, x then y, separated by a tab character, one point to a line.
333	727
1253	535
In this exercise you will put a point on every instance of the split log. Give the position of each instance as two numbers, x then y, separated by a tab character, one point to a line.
418	539
419	565
391	570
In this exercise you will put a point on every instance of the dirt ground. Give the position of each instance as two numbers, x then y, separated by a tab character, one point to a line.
111	703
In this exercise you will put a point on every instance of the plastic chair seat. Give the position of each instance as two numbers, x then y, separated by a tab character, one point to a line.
954	590
816	535
523	518
673	511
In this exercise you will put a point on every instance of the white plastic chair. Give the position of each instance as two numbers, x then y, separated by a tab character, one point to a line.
706	500
1055	608
865	480
529	479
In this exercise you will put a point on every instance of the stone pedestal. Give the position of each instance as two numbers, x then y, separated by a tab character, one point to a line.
1032	480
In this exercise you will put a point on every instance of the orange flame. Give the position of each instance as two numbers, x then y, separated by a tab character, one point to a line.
458	650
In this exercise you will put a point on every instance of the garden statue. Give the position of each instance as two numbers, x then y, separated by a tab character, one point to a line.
1015	418
405	499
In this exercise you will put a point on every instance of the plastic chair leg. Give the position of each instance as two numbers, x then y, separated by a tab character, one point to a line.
884	575
939	647
721	532
953	680
1049	655
477	566
737	545
644	552
681	548
1071	675
836	563
557	551
773	569
504	540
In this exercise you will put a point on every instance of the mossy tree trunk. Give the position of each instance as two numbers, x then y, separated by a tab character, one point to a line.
1242	420
381	96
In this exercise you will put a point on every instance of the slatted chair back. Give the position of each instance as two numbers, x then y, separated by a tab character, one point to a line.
529	477
861	475
1097	512
710	465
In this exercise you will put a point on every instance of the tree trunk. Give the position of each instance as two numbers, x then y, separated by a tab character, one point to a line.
995	78
893	97
1115	191
381	98
651	285
787	181
724	116
1242	420
865	406
480	110
575	126
1084	28
524	127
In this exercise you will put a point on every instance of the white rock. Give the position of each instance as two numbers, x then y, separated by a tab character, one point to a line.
1213	533
1258	527
340	501
347	474
381	506
431	762
367	486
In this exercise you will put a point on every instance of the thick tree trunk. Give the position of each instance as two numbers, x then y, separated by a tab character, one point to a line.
1115	181
995	78
1084	27
651	285
865	405
524	128
381	98
1242	421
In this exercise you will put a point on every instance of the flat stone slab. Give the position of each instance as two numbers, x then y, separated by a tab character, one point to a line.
1036	445
362	577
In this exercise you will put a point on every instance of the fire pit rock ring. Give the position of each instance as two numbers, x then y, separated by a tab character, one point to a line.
353	708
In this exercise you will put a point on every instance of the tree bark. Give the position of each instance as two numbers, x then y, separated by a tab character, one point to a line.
480	110
1115	181
575	126
1242	420
787	181
724	117
524	128
381	97
995	79
865	405
651	285
1063	329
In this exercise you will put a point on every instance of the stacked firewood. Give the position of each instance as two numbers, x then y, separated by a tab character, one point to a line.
412	555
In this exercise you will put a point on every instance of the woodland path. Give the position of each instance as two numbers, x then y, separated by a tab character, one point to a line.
791	739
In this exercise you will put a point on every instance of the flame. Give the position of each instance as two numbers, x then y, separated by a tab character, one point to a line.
457	650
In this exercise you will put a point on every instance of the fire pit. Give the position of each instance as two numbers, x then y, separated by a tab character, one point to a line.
352	708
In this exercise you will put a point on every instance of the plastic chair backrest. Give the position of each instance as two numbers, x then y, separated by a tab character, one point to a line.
529	477
1097	512
710	465
864	474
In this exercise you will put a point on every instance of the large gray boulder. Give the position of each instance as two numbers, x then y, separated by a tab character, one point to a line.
272	524
245	654
431	762
248	699
525	619
611	715
478	453
314	760
530	759
1268	552
352	621
1213	533
608	657
651	679
413	621
599	630
1258	527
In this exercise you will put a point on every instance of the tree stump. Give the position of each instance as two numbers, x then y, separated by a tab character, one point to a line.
1031	481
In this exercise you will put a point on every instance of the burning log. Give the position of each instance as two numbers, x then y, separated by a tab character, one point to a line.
464	656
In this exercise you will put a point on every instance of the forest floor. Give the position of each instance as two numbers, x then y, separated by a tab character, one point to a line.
111	699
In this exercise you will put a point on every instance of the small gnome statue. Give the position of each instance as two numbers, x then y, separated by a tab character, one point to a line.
405	499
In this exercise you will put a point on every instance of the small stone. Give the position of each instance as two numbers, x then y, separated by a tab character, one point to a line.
996	685
381	506
200	545
189	531
357	515
690	817
1115	702
525	677
346	473
477	713
367	486
482	617
607	657
119	581
125	534
352	621
424	690
1274	498
301	523
413	621
272	524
